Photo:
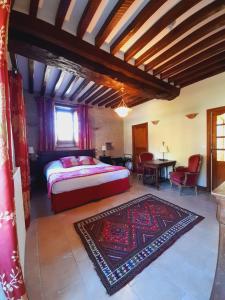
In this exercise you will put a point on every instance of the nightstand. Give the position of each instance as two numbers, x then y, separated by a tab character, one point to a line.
106	159
35	173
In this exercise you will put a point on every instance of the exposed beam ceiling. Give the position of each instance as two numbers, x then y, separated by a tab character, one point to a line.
33	8
61	12
46	74
96	94
69	86
88	93
82	86
31	75
103	97
58	82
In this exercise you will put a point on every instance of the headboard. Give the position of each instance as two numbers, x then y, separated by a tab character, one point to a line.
47	156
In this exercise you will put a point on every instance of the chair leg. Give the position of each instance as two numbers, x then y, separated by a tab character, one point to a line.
196	190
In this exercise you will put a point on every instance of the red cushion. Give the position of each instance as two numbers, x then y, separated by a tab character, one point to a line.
69	161
194	163
145	156
86	160
177	176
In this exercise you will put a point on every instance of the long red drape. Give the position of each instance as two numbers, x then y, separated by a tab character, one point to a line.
84	127
20	138
11	277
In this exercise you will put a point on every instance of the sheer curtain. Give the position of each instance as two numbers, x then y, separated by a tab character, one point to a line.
11	277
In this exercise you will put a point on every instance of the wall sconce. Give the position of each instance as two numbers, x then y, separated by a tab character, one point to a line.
109	146
191	116
155	122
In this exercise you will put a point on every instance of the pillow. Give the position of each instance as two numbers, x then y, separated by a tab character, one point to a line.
86	160
69	161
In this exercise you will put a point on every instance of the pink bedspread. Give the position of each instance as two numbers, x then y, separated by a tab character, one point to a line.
53	178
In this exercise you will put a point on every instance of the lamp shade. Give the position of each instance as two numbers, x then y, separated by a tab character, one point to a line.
31	150
163	148
103	147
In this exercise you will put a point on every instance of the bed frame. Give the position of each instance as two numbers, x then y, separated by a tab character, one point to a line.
72	199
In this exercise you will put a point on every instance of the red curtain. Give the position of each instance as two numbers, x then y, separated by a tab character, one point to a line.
84	127
11	277
20	138
46	124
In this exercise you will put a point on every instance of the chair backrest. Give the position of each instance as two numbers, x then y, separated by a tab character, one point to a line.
145	156
194	163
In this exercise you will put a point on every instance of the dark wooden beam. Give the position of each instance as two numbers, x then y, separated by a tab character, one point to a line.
169	17
146	12
82	86
69	85
33	8
185	42
113	96
209	73
43	42
96	94
61	12
196	69
31	75
88	93
87	16
182	28
13	61
45	79
127	100
218	48
138	102
207	42
103	97
115	100
114	17
58	82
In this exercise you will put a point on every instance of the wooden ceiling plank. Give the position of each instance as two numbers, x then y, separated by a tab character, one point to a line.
58	83
96	94
115	100
114	17
69	86
218	48
88	93
169	17
31	75
127	100
87	16
201	15
139	102
33	8
147	11
82	86
45	79
190	39
207	42
212	72
61	12
196	69
105	100
41	41
13	61
103	97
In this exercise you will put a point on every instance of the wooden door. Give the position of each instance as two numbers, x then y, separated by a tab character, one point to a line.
139	141
216	146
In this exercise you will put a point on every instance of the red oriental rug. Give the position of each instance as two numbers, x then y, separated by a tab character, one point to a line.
122	241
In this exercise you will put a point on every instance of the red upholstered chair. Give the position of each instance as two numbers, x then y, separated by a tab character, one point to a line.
187	176
143	157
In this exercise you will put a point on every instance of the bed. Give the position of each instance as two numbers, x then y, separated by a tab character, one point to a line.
75	186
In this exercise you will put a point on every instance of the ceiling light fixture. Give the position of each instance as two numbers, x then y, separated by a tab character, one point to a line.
122	109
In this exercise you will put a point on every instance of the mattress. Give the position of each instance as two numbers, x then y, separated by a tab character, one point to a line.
81	182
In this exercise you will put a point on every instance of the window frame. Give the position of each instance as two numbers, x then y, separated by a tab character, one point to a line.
60	143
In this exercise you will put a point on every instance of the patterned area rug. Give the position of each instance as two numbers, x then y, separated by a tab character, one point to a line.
122	241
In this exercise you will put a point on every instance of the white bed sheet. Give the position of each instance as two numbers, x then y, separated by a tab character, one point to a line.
81	182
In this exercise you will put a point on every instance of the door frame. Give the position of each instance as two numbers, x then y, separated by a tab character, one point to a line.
209	135
146	125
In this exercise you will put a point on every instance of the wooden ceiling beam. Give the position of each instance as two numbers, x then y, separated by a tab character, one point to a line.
43	42
33	8
207	42
13	61
116	99
218	48
127	100
45	79
96	94
105	100
138	102
58	83
147	11
196	69
87	16
69	85
88	93
114	17
82	86
209	73
169	17
185	42
31	75
103	97
182	28
61	12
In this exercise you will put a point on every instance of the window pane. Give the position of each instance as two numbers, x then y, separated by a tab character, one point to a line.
220	130
76	126
220	143
64	126
220	119
220	155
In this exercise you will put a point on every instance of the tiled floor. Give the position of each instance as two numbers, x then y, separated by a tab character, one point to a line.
58	268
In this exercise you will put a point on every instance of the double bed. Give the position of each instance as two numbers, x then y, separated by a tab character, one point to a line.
73	186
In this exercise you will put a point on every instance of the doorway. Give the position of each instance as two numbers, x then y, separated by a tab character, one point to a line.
139	141
215	147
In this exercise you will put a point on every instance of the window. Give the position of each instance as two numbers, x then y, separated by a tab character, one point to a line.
66	126
220	137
